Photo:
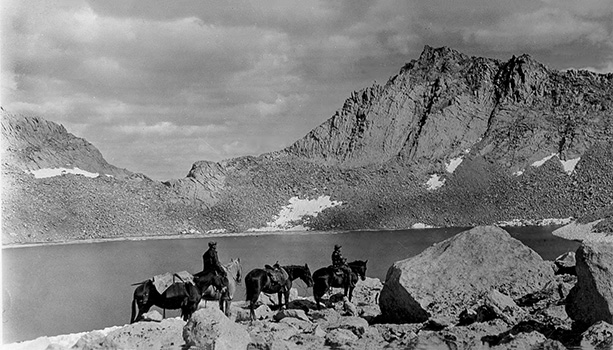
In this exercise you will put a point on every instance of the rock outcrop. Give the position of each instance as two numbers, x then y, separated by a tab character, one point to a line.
591	300
450	275
209	328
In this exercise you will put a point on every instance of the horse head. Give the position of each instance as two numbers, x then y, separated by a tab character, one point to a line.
141	293
234	269
359	268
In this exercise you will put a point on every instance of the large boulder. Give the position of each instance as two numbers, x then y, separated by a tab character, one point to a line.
451	275
209	328
146	335
591	299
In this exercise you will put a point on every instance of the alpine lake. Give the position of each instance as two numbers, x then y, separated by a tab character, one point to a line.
59	289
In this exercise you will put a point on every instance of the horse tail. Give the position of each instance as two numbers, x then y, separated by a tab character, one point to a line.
133	310
252	287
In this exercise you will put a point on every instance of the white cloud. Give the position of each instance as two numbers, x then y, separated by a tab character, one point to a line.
605	68
167	128
545	27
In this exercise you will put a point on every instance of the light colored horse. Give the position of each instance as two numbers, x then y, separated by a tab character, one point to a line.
225	295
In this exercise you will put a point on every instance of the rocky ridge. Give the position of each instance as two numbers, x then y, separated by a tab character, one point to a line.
506	140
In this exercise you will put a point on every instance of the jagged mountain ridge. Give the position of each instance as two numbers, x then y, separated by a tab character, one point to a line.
375	155
513	113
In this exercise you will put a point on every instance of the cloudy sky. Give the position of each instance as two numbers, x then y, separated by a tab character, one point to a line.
158	85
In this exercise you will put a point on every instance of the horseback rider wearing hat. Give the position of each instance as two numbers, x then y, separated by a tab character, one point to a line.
210	261
340	263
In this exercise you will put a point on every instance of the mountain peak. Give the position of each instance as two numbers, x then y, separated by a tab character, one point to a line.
430	54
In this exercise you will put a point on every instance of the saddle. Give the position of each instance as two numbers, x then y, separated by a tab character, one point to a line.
164	281
276	273
337	271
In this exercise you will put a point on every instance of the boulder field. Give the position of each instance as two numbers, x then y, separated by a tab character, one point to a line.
480	289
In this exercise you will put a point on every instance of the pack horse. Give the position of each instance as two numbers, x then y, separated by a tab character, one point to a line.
178	294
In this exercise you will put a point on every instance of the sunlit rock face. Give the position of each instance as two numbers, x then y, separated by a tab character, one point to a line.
451	275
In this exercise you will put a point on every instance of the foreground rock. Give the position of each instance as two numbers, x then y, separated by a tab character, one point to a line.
142	335
451	275
209	328
591	300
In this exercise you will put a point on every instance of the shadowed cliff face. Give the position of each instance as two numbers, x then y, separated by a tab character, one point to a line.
451	140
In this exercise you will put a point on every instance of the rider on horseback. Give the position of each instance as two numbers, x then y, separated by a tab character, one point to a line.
210	261
339	262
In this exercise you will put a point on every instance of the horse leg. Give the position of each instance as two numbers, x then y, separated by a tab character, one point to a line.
228	312
280	296
286	298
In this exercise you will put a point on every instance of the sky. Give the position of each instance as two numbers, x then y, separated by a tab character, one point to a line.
159	85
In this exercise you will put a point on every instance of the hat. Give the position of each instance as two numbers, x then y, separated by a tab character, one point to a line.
212	244
337	246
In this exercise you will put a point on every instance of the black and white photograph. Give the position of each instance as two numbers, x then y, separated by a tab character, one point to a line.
307	174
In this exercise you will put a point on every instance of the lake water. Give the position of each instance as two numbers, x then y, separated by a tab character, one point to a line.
61	289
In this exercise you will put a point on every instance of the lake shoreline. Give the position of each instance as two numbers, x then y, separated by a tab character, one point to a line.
560	222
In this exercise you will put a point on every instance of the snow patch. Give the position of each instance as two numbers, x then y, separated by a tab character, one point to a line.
539	222
569	165
421	225
435	182
51	172
216	231
295	211
453	164
538	163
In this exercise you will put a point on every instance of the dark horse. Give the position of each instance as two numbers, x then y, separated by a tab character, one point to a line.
215	287
180	295
258	280
326	278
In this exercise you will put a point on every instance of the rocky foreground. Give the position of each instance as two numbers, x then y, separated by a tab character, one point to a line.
480	289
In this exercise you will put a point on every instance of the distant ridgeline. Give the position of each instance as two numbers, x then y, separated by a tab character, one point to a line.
451	140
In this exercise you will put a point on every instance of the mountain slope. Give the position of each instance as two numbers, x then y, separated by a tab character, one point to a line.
32	143
451	140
